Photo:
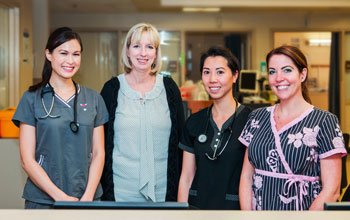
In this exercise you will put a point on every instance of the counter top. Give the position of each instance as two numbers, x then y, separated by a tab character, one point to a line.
169	215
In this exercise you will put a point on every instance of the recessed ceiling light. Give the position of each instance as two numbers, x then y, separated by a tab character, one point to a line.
320	42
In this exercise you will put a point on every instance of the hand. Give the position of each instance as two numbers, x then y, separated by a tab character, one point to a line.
72	199
86	198
67	198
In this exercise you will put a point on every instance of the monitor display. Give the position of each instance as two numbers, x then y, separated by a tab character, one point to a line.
120	205
248	81
336	206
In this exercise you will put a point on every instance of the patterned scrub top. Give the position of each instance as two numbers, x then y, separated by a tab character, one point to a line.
287	162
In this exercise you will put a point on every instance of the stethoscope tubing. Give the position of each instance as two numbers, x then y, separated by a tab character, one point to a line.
202	138
74	126
48	113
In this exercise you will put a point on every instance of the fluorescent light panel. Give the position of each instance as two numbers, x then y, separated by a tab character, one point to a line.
320	42
188	9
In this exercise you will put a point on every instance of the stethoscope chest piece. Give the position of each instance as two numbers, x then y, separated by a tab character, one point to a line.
202	138
74	127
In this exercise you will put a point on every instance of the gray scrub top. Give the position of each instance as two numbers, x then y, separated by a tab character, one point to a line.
65	156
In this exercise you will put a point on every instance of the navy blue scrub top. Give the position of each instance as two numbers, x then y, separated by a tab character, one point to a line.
65	156
216	183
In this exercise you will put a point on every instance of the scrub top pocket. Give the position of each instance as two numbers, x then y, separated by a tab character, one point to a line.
86	117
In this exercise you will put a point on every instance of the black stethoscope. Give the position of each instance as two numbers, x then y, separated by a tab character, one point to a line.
202	138
74	126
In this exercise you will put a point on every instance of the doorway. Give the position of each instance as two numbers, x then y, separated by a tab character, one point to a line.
199	42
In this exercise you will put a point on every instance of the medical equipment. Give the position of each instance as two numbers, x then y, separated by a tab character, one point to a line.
202	138
74	126
48	89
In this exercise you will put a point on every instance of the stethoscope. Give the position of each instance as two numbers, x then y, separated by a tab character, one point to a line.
202	138
74	126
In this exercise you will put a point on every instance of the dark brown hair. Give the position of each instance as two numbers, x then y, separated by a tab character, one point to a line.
57	37
298	59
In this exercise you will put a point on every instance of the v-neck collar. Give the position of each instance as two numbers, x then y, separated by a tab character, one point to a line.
228	122
66	102
283	129
290	124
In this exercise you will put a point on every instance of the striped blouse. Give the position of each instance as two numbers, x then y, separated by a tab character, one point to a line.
287	162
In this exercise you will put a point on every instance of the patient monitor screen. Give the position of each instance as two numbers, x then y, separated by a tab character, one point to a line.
248	82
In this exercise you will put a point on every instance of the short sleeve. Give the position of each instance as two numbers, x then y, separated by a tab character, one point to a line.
187	140
330	138
248	130
102	113
25	110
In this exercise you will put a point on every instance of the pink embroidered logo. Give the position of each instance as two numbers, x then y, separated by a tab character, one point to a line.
84	106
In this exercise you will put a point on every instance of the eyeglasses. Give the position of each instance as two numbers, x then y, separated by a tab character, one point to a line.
215	156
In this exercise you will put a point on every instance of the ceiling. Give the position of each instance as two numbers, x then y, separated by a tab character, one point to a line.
109	6
175	6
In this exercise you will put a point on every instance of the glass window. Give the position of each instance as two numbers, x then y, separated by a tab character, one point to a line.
170	46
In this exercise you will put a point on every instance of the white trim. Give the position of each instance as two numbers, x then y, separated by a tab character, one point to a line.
68	100
62	100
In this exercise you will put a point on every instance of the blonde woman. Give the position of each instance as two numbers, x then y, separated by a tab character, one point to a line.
146	116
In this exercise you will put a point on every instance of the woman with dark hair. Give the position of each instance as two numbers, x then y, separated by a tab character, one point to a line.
61	129
213	156
293	159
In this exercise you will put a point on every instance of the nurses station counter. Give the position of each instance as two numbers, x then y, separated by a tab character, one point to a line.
171	215
12	176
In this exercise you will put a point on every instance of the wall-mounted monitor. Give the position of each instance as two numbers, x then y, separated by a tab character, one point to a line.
248	81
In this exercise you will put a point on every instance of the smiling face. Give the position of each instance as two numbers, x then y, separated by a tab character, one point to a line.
65	59
142	53
284	77
217	77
